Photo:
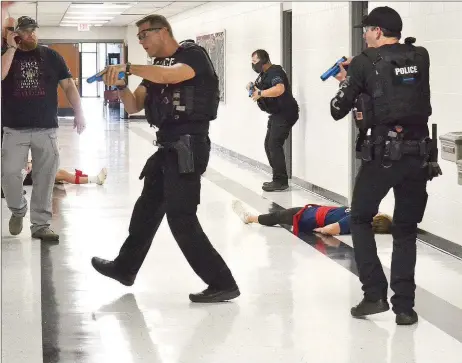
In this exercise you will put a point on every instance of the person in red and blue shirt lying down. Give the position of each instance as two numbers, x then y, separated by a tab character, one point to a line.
327	220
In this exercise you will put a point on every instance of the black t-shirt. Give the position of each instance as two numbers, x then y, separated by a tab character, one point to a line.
284	104
198	61
30	90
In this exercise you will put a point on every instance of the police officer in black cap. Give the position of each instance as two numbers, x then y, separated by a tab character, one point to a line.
180	95
391	82
273	93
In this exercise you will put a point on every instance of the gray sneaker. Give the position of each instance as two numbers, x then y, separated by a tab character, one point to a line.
46	235
15	225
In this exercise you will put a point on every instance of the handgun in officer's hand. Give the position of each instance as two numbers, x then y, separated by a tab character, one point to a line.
98	77
251	88
335	69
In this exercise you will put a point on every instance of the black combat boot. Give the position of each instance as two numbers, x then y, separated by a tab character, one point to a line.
109	269
366	307
275	186
407	318
215	295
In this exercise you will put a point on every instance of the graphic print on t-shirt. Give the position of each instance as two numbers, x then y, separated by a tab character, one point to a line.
28	78
167	62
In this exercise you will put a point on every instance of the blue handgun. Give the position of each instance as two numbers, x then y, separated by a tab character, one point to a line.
334	70
98	77
251	89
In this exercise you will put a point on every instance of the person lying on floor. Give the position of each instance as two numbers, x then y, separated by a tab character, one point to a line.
63	176
327	220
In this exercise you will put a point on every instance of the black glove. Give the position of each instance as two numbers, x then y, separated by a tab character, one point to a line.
434	170
152	166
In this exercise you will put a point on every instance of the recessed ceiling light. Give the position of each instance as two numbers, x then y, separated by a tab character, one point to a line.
90	11
89	17
86	21
103	6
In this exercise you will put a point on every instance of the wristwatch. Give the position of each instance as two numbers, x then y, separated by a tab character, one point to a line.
259	92
121	88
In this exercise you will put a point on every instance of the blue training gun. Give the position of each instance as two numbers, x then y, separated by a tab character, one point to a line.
334	70
251	89
98	77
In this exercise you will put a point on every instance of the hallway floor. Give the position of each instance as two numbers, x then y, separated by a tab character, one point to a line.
295	299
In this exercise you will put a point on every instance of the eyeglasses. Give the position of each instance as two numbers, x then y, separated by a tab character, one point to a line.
367	28
144	33
26	31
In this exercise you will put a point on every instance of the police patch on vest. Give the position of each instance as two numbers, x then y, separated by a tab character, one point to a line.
406	75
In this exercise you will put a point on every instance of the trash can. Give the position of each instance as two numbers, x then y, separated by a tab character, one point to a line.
451	146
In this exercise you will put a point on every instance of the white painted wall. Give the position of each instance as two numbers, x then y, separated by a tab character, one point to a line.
320	145
436	26
95	33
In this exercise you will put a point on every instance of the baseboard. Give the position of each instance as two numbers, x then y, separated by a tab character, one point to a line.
442	244
315	189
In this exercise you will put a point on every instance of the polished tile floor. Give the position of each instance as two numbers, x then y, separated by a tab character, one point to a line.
295	299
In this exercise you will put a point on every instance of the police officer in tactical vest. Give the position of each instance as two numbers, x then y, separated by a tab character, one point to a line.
273	94
389	82
180	95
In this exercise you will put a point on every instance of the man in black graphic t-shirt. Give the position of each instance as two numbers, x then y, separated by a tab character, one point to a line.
180	95
30	77
273	94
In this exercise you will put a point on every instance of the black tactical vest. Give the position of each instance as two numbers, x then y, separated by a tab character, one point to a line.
363	112
400	84
193	100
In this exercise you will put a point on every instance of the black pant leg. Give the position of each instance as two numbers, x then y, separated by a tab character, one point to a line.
279	217
182	195
410	203
372	184
267	150
279	132
148	212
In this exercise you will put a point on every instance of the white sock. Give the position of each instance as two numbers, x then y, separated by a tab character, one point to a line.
239	209
101	177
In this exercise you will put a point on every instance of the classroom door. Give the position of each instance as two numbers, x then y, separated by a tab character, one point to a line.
70	53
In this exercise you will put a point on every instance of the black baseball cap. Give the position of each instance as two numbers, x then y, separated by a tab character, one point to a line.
383	17
26	22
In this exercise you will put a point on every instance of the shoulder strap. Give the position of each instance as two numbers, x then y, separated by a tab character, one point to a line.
372	54
188	44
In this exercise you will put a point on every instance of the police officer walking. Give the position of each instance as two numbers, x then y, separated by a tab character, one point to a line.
180	95
397	153
273	94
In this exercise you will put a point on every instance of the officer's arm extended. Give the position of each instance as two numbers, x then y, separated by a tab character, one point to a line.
177	73
349	90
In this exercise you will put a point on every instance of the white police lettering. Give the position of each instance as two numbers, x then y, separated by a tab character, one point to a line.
406	70
167	62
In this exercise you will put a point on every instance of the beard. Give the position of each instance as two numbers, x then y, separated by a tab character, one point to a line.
28	44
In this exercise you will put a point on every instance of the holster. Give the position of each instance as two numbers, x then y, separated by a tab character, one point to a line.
430	152
184	150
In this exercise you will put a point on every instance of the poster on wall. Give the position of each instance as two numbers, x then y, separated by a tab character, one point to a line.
214	43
